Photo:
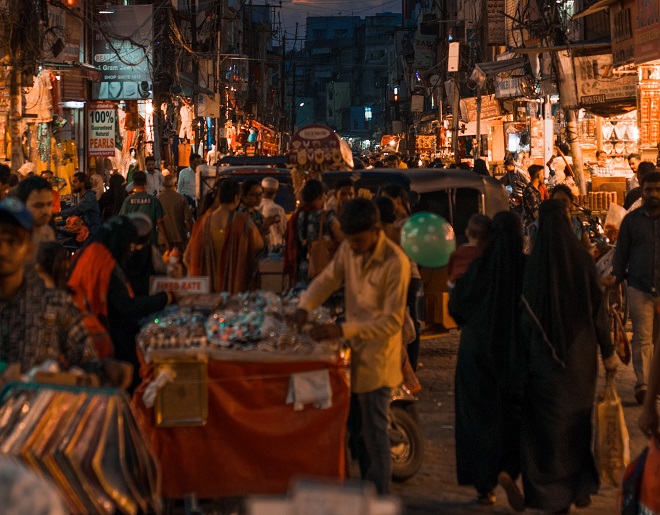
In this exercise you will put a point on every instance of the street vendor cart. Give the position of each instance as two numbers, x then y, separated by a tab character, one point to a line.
231	418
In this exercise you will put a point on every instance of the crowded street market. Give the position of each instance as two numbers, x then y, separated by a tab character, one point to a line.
308	258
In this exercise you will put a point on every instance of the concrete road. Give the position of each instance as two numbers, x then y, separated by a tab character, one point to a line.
434	490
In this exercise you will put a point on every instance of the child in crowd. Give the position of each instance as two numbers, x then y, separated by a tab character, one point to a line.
477	233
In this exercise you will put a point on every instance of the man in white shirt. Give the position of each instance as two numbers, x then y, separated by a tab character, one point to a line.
375	274
154	177
186	185
269	208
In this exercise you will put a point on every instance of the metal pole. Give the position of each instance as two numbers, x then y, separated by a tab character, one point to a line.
477	148
456	108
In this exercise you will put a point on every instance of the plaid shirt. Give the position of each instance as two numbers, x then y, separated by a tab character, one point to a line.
39	323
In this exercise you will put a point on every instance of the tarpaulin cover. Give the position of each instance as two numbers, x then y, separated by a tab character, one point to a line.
253	442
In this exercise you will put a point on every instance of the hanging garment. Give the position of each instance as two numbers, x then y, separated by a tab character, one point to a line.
186	130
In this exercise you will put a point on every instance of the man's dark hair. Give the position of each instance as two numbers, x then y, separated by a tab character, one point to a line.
46	172
29	185
650	177
194	156
359	215
600	153
478	227
149	159
247	185
509	162
634	156
13	180
139	178
228	190
645	168
343	183
312	190
534	170
5	173
84	178
397	191
385	209
562	188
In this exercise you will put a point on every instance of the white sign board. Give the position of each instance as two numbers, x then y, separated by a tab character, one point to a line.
184	286
597	84
101	129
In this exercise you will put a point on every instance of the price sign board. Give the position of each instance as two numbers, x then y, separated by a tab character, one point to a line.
185	286
102	122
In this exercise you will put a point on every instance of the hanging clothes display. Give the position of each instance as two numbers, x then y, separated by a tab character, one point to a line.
187	114
39	100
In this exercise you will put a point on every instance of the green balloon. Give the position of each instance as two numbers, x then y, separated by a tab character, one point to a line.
428	239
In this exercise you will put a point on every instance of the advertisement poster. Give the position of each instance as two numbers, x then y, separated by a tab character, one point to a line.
122	51
496	22
597	83
102	119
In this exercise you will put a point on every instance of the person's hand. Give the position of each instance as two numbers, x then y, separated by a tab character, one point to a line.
298	319
608	281
326	332
611	365
648	421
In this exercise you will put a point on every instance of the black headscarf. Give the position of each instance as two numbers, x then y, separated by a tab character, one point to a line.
493	284
116	235
559	278
112	200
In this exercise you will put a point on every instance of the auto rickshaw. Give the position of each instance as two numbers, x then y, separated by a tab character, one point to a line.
453	194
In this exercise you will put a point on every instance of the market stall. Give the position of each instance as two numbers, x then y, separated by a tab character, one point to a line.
245	404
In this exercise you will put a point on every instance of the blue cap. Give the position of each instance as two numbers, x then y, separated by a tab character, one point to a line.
17	211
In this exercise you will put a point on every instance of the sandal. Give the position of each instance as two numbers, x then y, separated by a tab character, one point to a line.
513	494
486	498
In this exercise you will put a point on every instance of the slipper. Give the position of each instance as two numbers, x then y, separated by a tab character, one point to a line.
513	494
486	499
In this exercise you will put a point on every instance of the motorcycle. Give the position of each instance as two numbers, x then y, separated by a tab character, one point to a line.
406	439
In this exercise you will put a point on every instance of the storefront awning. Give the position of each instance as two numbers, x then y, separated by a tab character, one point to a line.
600	5
492	68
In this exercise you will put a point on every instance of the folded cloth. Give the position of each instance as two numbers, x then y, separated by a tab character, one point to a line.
310	387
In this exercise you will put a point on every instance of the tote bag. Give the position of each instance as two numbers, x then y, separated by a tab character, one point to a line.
613	438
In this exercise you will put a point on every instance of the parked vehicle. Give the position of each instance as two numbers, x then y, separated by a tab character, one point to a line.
406	437
453	194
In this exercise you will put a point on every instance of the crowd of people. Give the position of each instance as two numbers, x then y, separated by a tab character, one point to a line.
527	368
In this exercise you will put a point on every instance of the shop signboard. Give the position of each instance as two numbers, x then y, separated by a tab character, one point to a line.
597	83
647	31
622	19
495	10
101	127
424	51
490	108
122	51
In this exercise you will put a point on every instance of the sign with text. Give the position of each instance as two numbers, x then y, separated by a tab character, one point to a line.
122	51
102	123
490	108
622	19
647	31
184	286
495	10
597	83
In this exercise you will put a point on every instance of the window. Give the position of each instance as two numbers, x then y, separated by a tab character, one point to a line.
319	33
341	33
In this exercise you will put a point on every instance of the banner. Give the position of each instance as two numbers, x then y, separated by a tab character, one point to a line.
101	129
496	22
122	51
597	84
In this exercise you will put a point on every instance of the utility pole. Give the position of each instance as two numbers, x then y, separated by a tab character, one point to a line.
195	68
293	102
283	80
456	116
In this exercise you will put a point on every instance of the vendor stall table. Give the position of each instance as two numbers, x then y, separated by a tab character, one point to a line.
253	441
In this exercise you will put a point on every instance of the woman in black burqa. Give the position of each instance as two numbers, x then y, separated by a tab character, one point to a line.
486	303
563	322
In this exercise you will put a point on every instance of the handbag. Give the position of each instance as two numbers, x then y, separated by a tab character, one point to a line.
320	252
613	438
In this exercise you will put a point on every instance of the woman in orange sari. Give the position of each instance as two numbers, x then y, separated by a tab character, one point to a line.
225	245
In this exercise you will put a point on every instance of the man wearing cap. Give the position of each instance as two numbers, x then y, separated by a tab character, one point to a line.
178	220
35	193
37	323
271	210
142	202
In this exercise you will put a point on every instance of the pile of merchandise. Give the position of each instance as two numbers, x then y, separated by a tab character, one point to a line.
246	321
